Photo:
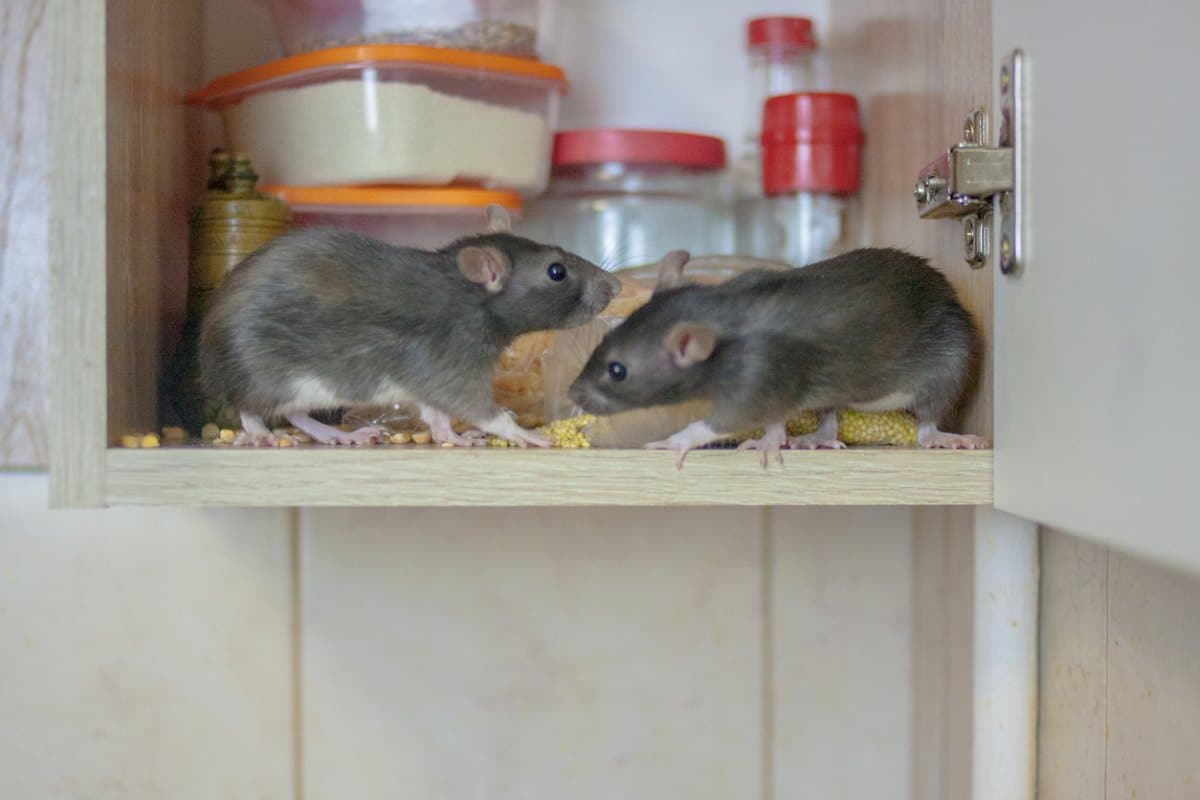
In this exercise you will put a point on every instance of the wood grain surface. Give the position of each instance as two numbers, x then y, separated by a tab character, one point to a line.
432	476
24	217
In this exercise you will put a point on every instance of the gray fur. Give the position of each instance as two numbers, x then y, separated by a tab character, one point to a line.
845	331
361	315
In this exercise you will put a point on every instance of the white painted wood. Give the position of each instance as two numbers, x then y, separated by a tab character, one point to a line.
78	389
1073	685
1097	342
1004	736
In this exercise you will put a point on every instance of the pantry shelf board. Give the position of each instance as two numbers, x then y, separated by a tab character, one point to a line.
508	477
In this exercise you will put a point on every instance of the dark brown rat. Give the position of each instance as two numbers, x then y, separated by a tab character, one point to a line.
320	318
874	329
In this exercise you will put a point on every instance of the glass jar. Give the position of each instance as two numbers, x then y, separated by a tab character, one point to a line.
626	197
810	170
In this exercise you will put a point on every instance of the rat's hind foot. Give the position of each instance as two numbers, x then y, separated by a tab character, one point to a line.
254	433
326	434
441	430
695	435
774	437
504	426
824	437
929	437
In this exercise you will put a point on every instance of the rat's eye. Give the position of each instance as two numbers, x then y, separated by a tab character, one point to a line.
556	271
617	370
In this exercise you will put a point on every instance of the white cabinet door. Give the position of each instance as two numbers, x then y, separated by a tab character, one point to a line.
1097	340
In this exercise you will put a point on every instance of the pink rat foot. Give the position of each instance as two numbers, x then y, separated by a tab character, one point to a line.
326	434
441	430
505	427
823	438
813	442
929	437
254	433
688	439
773	439
954	441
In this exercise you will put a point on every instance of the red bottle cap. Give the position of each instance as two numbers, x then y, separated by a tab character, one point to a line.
785	33
811	143
629	146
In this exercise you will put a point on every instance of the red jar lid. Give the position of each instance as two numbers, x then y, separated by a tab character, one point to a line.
789	33
629	146
811	142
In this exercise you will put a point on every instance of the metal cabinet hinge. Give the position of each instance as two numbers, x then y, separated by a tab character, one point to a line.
978	182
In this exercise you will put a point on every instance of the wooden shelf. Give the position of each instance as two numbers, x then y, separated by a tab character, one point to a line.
504	477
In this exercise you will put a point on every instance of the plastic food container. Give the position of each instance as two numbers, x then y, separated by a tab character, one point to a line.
510	27
399	114
622	197
810	170
426	218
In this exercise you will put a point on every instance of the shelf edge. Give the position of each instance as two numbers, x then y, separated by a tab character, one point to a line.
432	477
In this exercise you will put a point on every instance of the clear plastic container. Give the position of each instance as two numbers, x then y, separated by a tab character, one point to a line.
781	52
509	27
810	172
392	114
625	197
405	217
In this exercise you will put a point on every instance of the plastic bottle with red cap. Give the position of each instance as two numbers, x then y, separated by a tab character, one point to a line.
811	144
781	53
794	179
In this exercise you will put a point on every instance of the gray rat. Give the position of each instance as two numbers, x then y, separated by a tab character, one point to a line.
873	329
320	318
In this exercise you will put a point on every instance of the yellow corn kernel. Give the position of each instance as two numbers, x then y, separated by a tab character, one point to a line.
403	437
226	435
173	434
131	441
877	427
855	427
150	440
568	433
422	437
210	431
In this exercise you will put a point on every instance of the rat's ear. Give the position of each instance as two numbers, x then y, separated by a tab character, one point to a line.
690	343
498	220
670	269
486	266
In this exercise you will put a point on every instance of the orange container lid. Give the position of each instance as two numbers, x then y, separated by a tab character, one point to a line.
372	55
384	197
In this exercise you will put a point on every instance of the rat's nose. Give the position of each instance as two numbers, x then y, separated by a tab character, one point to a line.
577	395
609	288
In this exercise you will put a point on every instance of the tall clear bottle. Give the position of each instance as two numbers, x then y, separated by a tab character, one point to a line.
780	51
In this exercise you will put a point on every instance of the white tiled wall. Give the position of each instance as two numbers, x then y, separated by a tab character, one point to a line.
143	653
842	618
532	654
